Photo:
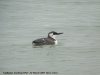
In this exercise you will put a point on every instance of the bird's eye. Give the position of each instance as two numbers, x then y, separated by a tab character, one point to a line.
54	33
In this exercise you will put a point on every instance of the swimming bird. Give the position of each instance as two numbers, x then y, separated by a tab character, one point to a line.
49	40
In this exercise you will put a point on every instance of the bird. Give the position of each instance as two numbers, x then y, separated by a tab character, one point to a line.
49	40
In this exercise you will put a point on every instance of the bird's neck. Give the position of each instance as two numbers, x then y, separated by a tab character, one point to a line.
53	37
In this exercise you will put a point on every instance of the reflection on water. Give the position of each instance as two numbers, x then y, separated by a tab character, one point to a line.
78	49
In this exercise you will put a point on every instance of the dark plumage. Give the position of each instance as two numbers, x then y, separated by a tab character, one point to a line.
44	41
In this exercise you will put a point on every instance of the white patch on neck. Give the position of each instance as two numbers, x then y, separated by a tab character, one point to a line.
56	42
52	36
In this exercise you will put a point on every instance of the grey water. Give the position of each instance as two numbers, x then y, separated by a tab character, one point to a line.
78	49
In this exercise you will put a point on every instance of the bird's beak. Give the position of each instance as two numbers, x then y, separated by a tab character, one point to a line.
59	33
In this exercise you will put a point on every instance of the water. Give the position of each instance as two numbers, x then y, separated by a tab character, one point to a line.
78	50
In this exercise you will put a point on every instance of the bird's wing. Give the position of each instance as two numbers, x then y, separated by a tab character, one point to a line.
39	41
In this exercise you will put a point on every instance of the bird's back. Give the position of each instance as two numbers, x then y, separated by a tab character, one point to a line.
43	41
